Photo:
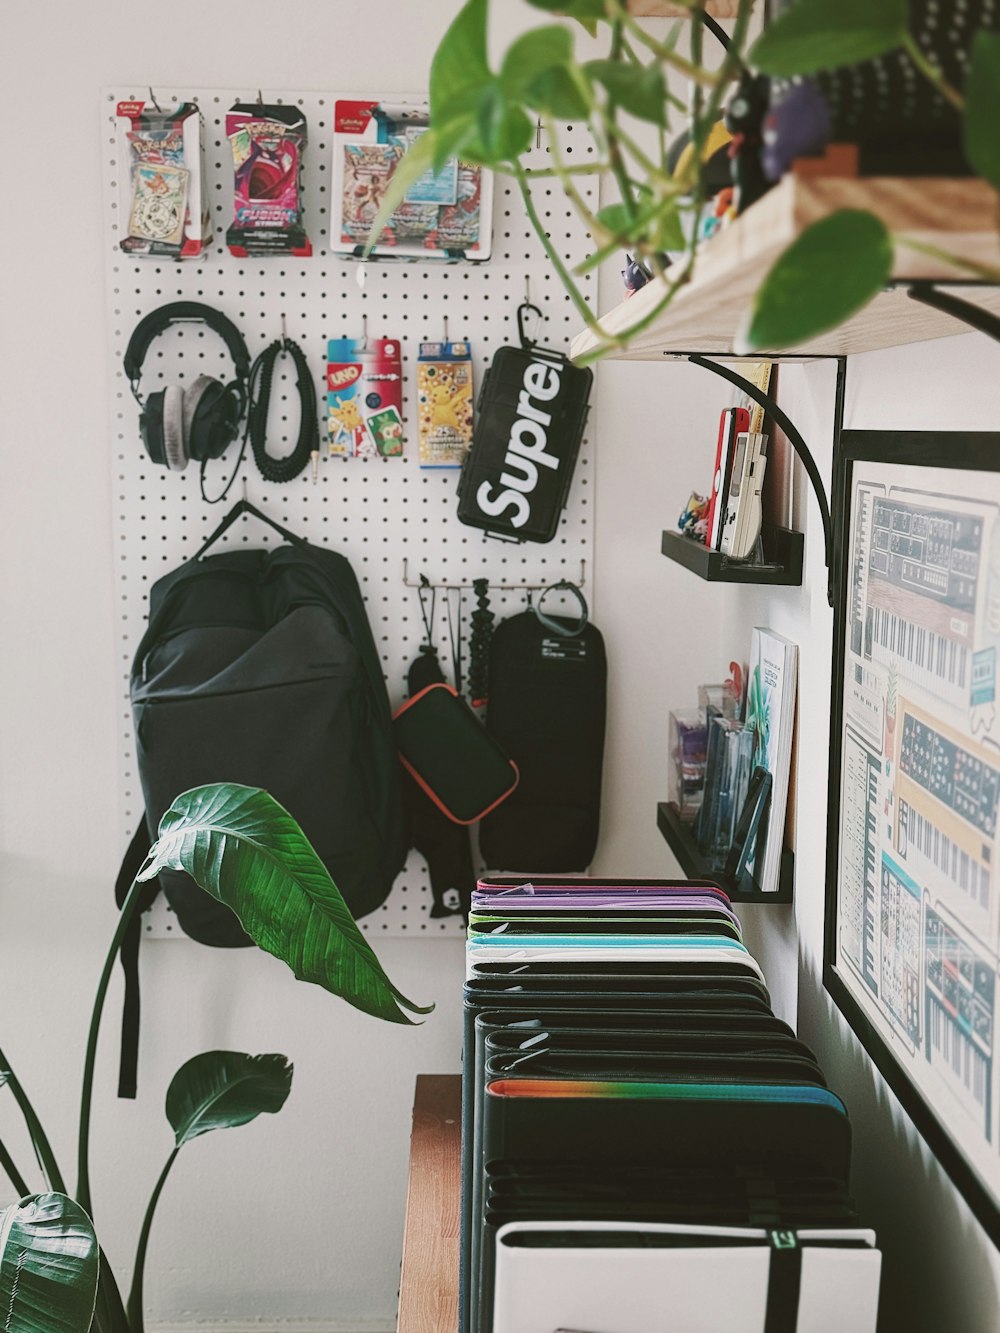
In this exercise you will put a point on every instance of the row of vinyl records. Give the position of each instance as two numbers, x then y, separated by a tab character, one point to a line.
641	1136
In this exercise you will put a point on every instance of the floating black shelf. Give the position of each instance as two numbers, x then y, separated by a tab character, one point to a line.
679	836
782	559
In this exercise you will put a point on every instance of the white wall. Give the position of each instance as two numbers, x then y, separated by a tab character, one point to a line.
300	1217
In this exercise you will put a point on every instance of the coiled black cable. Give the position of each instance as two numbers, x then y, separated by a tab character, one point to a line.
261	376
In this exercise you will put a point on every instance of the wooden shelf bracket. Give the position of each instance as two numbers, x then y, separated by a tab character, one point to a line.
983	321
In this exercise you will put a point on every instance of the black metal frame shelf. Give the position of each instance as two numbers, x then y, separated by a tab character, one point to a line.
781	567
679	836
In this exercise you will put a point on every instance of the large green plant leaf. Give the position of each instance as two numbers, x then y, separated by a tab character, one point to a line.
109	1311
460	62
48	1266
833	269
641	91
242	847
222	1089
822	34
505	130
533	53
538	70
982	107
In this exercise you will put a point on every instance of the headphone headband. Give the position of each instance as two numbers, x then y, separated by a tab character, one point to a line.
157	321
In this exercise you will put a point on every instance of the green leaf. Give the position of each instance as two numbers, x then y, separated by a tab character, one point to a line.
833	269
641	91
532	54
982	107
109	1312
505	130
242	847
667	234
424	154
460	62
823	34
614	218
561	92
48	1266
574	9
222	1089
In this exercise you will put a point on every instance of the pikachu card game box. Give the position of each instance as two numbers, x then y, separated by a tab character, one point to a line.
364	398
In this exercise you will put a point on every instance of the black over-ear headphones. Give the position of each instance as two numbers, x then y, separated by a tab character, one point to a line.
201	420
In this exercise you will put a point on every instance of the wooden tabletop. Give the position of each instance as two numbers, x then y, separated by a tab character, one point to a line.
428	1284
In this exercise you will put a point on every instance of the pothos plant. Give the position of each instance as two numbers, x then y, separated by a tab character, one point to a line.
244	849
487	113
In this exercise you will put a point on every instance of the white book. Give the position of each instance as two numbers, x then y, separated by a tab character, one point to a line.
706	1280
771	711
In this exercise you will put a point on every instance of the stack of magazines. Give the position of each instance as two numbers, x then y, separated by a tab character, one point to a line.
641	1135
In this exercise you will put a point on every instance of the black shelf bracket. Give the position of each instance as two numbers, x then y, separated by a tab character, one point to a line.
983	321
795	439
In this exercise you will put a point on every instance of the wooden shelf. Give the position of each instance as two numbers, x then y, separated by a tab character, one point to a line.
679	836
428	1284
782	565
706	316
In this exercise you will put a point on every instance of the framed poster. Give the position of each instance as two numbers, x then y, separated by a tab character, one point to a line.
912	953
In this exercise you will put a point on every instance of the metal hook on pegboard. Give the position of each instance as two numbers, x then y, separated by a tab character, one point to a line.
424	582
152	98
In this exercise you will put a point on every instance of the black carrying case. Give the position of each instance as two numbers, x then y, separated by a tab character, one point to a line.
530	419
548	692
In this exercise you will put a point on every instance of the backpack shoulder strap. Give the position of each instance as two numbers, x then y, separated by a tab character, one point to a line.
130	866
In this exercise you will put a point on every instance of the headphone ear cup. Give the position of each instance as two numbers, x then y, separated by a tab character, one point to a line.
174	448
151	427
198	401
215	420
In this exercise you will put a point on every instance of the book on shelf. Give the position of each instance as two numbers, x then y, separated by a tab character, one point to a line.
770	712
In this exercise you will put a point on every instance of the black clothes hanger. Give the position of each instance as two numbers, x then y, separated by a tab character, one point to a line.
240	508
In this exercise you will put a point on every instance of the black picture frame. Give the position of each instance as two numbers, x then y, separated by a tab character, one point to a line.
956	451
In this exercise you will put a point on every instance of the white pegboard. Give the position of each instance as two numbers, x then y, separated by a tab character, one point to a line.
377	512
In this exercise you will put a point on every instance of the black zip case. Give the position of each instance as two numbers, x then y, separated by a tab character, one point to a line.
529	424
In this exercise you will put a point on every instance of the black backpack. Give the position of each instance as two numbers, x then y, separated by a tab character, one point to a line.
259	667
547	703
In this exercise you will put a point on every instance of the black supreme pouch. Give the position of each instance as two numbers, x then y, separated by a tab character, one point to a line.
450	754
529	424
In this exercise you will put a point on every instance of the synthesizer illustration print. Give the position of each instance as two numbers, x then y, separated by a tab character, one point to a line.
918	907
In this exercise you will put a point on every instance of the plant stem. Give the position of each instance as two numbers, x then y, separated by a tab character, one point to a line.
643	159
591	169
570	287
663	53
109	1312
931	72
134	1307
985	271
566	181
672	98
11	1171
39	1139
129	907
610	122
